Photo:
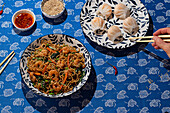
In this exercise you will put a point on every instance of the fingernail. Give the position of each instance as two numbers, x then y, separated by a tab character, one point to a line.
155	37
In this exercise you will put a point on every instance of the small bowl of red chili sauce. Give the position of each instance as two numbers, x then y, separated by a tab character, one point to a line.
23	19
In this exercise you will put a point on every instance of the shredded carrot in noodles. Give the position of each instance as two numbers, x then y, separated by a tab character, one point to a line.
54	68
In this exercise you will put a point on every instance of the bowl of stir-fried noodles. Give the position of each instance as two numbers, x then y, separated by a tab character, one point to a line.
55	65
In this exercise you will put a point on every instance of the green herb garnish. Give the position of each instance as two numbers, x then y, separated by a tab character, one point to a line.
51	90
51	93
62	84
57	58
40	49
50	81
66	68
52	48
54	55
42	84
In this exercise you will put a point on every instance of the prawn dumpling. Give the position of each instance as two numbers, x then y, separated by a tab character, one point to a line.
114	33
130	26
97	23
104	10
121	11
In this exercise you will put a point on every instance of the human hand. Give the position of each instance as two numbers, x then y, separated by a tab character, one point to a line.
159	43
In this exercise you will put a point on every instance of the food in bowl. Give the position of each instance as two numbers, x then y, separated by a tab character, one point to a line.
53	7
23	19
55	69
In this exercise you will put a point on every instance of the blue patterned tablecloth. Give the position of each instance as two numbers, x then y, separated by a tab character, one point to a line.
141	86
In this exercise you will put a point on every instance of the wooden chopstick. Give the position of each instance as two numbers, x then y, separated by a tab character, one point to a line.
161	36
9	57
6	58
166	40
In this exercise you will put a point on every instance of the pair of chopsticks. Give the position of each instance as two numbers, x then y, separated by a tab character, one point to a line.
9	58
149	37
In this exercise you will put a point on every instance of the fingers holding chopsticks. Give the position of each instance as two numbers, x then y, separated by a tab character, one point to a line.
161	43
158	42
161	39
162	31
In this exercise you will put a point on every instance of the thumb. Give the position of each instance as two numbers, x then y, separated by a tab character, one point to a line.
159	42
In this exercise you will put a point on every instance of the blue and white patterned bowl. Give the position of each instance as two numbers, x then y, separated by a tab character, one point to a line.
56	39
137	9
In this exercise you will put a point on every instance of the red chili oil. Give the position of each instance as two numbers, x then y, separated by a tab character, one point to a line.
24	20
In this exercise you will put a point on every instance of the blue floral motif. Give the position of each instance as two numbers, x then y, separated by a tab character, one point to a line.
142	84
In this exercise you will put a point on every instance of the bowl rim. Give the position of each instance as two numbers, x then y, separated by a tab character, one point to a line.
52	15
17	12
61	94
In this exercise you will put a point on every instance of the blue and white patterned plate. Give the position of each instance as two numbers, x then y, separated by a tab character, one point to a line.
56	39
138	11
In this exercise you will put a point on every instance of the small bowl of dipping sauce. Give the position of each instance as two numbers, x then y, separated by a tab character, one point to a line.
52	8
23	19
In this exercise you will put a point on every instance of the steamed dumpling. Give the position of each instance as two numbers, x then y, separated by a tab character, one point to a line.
121	11
114	33
97	23
130	26
104	10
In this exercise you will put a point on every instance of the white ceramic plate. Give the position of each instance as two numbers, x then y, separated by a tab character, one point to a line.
56	39
138	11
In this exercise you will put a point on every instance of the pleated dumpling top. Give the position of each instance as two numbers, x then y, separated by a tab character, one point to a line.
130	26
121	11
97	23
104	10
113	33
